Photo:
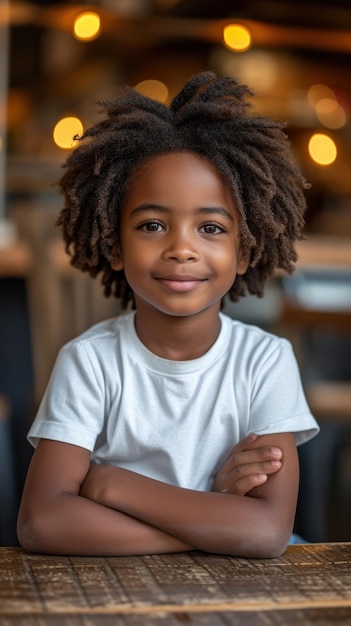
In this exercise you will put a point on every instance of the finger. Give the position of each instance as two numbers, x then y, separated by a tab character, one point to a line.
245	443
243	486
247	451
251	442
264	467
226	479
245	463
269	453
249	457
248	440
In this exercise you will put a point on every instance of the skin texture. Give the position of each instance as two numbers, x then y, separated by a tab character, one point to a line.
180	250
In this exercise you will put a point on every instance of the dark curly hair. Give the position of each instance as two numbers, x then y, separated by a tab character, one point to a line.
210	116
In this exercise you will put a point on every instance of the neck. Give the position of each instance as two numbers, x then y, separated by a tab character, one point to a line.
178	338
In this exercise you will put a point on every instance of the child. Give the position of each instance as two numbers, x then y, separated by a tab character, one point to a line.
144	438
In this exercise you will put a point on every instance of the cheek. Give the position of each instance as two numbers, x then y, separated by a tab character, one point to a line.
225	256
138	261
229	265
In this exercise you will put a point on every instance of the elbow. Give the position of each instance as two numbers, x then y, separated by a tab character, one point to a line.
31	534
271	546
264	541
267	542
26	536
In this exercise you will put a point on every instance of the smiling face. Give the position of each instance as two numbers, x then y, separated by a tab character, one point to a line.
179	238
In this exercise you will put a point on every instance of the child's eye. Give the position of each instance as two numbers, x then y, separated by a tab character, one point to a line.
212	229
151	227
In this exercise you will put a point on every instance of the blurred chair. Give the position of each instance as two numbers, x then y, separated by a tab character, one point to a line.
63	302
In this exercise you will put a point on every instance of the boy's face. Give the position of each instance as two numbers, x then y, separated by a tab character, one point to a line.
179	239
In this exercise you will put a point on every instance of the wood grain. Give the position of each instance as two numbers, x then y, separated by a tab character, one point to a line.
309	584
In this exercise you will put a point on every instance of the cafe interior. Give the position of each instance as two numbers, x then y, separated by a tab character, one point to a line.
56	60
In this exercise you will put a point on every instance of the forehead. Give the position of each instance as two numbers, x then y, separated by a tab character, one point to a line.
175	161
177	173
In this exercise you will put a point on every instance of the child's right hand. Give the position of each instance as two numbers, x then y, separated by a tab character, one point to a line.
247	466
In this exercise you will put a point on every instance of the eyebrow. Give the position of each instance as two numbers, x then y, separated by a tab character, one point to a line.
217	210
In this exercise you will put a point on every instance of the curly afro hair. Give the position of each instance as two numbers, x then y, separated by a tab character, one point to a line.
210	116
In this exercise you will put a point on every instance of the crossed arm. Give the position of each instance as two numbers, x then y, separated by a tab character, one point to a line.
70	506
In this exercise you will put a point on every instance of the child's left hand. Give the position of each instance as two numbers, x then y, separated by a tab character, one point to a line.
247	466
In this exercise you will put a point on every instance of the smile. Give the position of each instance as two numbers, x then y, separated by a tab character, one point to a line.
180	283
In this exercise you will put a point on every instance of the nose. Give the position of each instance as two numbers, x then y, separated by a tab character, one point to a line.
181	246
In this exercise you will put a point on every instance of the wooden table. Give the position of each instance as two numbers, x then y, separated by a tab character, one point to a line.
309	584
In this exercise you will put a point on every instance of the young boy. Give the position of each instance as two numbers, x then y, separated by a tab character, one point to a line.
138	435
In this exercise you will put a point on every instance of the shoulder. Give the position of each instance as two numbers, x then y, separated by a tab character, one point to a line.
255	351
90	363
250	337
98	348
104	335
107	329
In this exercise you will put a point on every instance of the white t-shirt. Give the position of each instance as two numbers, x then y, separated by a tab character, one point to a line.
175	421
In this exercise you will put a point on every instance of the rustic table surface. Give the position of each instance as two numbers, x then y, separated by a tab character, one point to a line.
309	584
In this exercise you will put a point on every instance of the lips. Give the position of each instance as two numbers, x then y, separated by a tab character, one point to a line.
179	282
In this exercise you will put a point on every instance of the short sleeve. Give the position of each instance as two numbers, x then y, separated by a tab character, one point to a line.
72	409
278	402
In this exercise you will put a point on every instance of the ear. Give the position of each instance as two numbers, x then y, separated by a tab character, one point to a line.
243	261
116	260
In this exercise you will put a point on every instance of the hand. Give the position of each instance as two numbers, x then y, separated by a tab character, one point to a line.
247	466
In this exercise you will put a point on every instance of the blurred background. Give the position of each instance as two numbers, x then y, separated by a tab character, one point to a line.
56	60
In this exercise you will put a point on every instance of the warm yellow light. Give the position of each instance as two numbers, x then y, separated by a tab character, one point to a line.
153	89
322	149
65	131
1	143
237	37
86	26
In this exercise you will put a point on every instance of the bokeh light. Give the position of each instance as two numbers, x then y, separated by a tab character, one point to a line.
237	37
330	113
328	110
322	149
65	131
86	26
319	92
153	89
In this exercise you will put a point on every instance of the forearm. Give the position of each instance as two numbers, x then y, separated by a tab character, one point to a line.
70	524
214	522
